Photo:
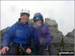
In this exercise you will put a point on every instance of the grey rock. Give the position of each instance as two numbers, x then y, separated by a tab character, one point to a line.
51	23
3	32
71	34
56	37
31	21
68	40
68	44
55	33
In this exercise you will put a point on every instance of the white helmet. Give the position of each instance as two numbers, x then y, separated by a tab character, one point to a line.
25	11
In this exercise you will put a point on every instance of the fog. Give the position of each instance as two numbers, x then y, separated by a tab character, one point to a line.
61	11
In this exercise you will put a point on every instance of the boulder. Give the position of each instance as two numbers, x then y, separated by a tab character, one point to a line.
3	32
51	23
68	41
55	33
31	21
71	34
68	44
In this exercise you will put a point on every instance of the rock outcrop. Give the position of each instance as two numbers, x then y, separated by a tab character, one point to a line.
55	33
71	34
69	41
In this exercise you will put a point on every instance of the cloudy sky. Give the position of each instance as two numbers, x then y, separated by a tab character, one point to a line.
61	11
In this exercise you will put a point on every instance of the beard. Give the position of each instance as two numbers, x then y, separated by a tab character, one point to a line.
24	21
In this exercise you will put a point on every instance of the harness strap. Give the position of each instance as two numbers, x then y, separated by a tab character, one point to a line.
20	50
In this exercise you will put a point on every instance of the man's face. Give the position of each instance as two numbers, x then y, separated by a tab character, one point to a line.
24	18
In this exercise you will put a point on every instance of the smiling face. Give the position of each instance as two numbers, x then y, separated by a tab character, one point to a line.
24	18
39	22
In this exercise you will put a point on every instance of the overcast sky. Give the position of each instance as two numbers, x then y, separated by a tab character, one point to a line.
61	11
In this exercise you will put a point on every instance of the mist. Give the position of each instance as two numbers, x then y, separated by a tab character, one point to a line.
61	11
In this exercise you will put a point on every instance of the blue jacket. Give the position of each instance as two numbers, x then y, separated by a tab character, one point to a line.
19	33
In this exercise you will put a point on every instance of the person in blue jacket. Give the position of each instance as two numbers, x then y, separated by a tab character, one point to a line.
20	35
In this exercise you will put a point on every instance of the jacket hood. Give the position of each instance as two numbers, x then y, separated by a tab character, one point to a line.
38	14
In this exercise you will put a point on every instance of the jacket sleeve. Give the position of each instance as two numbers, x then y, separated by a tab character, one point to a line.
8	36
49	38
34	37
